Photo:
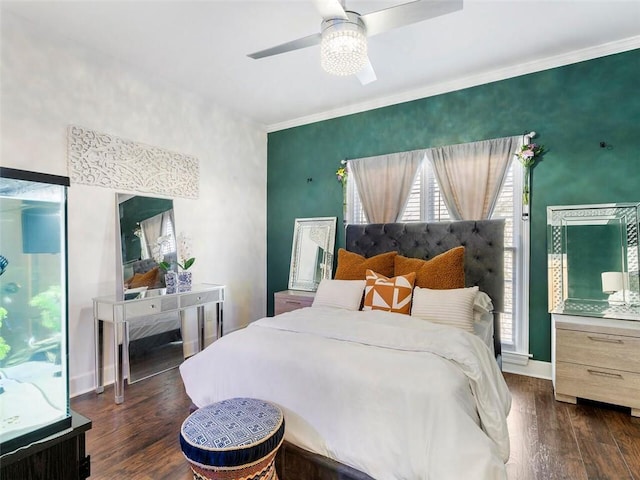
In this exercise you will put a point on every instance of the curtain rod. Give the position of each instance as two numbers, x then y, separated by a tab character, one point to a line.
527	138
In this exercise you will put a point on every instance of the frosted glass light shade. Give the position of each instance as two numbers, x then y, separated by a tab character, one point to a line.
343	50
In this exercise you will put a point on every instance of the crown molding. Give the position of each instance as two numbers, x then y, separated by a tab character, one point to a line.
577	56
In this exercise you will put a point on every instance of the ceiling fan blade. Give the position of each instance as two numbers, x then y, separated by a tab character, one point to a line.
288	47
367	74
330	9
408	13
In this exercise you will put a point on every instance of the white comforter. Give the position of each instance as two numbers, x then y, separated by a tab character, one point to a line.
390	395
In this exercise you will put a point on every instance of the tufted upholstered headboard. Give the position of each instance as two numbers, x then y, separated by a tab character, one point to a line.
484	251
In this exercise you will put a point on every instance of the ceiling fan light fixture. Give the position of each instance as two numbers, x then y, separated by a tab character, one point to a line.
343	49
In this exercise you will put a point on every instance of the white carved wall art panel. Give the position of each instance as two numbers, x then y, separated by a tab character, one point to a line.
105	160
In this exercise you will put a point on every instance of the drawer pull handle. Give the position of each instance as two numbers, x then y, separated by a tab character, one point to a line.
292	301
605	340
604	374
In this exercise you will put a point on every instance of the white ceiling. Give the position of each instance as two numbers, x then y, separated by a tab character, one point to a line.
202	46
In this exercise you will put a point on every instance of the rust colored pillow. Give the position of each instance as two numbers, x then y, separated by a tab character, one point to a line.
388	294
352	266
148	279
442	272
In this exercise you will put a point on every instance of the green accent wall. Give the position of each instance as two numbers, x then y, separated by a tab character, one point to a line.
572	108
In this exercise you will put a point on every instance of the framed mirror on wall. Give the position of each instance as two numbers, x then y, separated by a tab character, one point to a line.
147	236
312	252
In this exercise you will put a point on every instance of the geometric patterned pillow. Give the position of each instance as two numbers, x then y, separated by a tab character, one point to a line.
389	294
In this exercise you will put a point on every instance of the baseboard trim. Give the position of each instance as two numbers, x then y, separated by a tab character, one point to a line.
533	368
86	382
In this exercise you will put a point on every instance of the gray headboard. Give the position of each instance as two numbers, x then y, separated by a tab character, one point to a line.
484	250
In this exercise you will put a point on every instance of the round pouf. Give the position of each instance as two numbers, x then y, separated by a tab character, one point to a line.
235	439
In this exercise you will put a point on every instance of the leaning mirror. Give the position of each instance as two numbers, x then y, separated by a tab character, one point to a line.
147	237
312	252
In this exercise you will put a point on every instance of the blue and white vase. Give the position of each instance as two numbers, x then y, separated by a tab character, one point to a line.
184	281
171	281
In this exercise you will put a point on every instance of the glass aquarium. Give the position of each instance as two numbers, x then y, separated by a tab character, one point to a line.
593	258
34	387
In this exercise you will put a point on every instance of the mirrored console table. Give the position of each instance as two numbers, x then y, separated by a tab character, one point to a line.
123	315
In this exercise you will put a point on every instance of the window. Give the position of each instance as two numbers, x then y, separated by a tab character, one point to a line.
168	246
426	204
161	228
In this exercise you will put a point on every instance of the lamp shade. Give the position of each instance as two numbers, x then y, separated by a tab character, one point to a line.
614	281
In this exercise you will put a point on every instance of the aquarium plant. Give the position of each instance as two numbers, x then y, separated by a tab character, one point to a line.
4	347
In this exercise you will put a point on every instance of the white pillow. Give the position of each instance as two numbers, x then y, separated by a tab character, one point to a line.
452	307
483	328
345	294
482	303
483	319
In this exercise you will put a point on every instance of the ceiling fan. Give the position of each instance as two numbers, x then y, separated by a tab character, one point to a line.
343	33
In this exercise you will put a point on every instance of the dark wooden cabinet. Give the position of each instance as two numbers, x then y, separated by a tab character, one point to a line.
59	457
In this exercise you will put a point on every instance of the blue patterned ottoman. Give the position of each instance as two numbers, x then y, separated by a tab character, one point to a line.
235	439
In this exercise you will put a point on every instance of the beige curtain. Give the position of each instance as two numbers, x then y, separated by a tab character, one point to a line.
384	183
470	175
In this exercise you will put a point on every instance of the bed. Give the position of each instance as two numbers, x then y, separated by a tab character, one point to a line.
374	394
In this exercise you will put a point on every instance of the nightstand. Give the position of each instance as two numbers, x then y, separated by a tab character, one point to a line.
597	359
289	300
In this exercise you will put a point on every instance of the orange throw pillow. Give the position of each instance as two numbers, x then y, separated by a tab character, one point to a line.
352	266
442	272
388	294
148	279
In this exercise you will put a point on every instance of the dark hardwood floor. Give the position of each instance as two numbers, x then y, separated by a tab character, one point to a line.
555	440
138	439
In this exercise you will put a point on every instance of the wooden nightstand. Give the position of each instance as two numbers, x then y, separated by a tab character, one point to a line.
596	358
289	300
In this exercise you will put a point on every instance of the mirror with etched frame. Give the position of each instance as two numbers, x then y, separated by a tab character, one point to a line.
312	252
593	260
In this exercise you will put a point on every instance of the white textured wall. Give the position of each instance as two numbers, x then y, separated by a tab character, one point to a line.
47	83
